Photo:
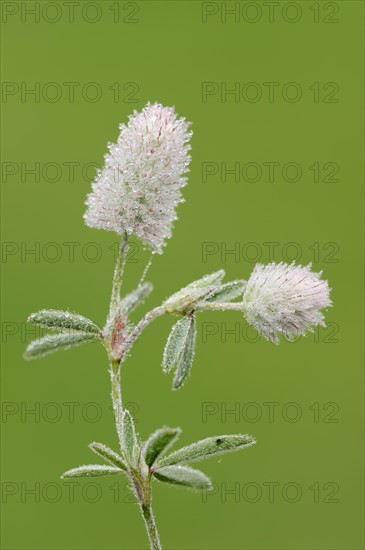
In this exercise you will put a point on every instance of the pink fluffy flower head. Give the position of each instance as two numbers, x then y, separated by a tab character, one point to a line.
285	299
139	187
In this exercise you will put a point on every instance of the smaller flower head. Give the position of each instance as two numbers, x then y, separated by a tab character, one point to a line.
286	299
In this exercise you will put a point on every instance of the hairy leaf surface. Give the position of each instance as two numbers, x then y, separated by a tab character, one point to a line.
159	442
60	320
182	475
211	446
56	342
91	470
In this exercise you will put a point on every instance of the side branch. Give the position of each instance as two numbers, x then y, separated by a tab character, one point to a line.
142	324
219	306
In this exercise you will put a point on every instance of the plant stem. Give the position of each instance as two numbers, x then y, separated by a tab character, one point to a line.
146	508
117	399
118	272
143	323
144	496
219	306
148	265
149	521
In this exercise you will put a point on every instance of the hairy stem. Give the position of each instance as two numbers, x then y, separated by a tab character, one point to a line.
144	487
116	391
219	306
145	271
116	394
143	323
144	490
149	521
118	272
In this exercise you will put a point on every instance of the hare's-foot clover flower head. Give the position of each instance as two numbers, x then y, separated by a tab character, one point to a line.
286	299
139	187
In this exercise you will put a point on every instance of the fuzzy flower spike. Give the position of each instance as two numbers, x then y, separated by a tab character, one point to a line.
139	187
286	299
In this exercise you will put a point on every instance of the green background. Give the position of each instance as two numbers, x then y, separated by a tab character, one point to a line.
168	52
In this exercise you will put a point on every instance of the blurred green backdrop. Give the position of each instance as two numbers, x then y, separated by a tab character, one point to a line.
292	132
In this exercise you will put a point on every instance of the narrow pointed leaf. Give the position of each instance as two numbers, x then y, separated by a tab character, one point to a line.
208	280
227	292
176	344
129	438
212	446
108	454
187	297
182	475
135	298
92	470
60	320
55	342
159	442
187	357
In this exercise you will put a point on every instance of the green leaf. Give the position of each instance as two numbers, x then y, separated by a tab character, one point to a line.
135	298
185	299
55	342
179	350
212	279
130	445
182	475
158	443
175	344
92	470
227	292
212	446
60	320
108	454
187	357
